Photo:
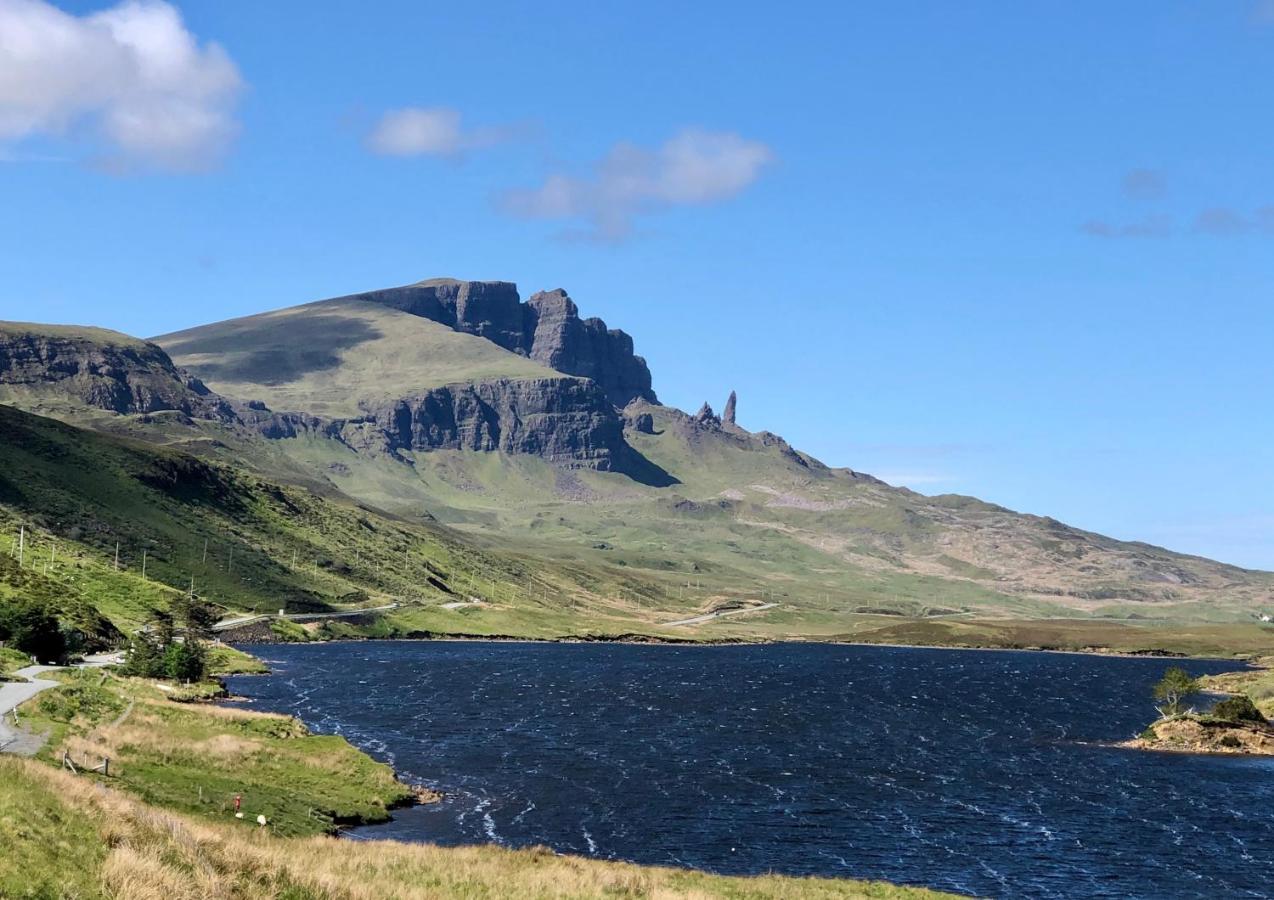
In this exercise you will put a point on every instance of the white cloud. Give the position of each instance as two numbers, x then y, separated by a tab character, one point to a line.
430	131
694	167
131	76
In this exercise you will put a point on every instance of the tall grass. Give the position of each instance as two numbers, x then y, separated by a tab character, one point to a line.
139	852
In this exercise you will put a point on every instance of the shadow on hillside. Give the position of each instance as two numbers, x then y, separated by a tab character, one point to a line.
640	469
272	350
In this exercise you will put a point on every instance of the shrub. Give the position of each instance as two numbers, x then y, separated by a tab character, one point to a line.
33	630
1230	740
1239	708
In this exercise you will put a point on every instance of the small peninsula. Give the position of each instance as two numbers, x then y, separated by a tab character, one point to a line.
1238	724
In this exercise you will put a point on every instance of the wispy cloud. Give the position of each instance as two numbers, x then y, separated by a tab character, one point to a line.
130	77
1144	184
1155	226
432	131
694	167
1224	222
1149	185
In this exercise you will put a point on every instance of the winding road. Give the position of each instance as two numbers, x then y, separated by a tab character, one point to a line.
707	617
14	693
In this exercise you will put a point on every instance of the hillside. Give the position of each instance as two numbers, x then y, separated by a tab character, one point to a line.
433	403
337	358
104	530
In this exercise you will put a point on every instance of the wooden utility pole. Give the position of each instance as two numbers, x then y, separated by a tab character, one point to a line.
117	556
143	564
204	561
22	543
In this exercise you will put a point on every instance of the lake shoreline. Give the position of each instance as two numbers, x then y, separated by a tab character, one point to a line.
653	641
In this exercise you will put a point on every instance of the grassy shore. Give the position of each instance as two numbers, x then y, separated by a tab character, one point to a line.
195	757
64	839
161	825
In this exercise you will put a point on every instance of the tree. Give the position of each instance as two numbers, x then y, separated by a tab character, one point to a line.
145	657
198	616
185	661
162	626
1173	688
32	629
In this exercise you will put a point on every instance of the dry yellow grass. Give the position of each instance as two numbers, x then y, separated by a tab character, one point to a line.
151	854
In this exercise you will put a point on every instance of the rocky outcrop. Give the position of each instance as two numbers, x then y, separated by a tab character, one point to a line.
641	422
706	418
568	421
547	328
731	403
561	340
1203	734
563	420
102	370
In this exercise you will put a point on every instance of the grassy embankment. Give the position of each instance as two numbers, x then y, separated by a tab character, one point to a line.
162	824
11	660
1256	683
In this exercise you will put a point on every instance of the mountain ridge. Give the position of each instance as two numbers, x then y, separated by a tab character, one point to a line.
423	418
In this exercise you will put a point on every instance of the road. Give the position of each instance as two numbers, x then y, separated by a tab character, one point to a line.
695	620
14	693
245	620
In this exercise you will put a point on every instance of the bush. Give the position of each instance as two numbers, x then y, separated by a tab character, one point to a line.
1230	741
1239	708
33	630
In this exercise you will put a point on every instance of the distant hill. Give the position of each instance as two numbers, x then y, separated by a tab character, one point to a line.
456	402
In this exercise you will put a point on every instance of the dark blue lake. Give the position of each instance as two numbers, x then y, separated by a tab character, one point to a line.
978	772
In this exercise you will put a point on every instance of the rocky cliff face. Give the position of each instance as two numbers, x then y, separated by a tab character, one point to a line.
126	376
569	421
565	420
547	328
563	341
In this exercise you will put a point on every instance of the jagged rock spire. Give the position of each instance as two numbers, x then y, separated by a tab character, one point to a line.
727	416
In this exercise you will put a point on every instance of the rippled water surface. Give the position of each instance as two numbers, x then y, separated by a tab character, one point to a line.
971	771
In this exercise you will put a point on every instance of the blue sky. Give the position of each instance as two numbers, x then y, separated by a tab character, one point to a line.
1022	251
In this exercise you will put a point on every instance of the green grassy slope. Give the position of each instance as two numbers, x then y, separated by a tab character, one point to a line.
752	519
325	358
600	570
252	545
70	332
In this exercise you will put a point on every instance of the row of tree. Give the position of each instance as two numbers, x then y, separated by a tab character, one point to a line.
172	644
